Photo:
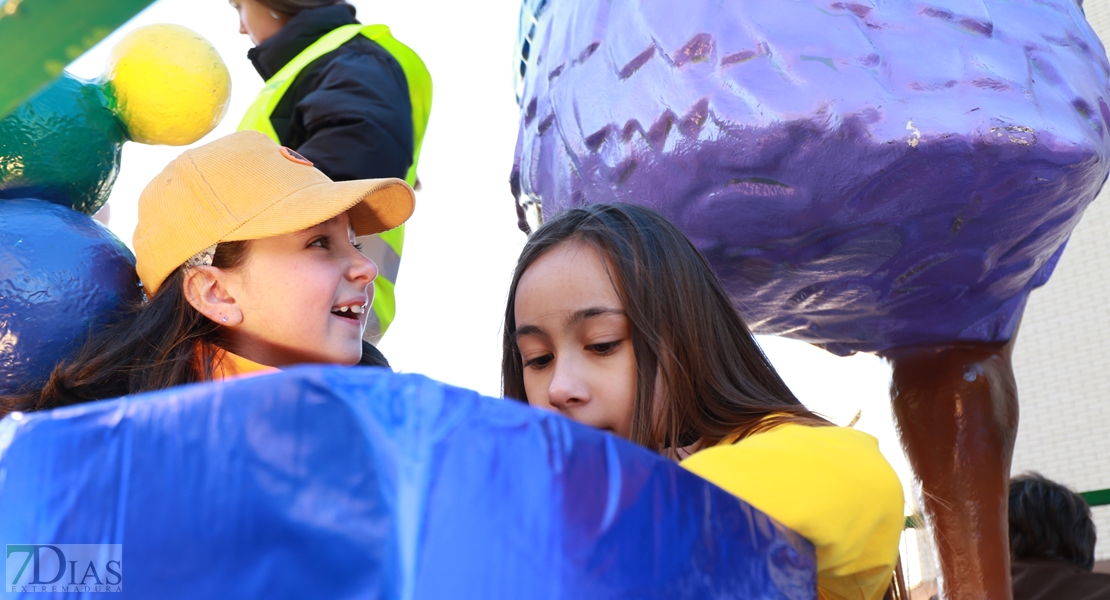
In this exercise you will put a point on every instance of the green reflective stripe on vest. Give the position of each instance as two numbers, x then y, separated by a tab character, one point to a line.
396	240
384	287
419	82
420	89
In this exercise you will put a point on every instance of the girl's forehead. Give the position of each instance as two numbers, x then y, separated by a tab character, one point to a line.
570	259
568	277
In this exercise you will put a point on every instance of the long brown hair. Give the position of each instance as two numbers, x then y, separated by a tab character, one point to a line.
717	383
153	345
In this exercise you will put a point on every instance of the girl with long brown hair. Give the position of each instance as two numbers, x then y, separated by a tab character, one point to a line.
615	320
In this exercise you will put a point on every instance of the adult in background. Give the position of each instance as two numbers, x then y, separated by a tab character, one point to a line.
1052	543
350	98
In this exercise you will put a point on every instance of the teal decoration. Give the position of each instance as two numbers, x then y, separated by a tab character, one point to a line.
63	145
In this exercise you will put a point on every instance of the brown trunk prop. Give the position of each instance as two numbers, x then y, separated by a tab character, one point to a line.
957	411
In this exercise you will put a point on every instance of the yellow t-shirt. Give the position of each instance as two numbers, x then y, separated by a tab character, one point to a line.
829	484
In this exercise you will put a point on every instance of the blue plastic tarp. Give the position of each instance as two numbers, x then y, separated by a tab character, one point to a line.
329	482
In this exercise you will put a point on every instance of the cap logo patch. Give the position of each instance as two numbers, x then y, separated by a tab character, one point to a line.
293	156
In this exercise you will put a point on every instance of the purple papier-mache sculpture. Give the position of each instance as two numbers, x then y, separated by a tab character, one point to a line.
862	175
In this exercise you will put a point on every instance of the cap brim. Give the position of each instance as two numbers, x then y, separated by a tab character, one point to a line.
375	205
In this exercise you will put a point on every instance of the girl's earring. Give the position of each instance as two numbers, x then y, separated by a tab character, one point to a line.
274	15
225	319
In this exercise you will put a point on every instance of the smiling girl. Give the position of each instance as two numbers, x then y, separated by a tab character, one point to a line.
247	257
615	320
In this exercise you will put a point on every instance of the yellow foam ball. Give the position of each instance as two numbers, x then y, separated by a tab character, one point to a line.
169	84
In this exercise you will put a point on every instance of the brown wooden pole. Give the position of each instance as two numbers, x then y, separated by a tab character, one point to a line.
956	409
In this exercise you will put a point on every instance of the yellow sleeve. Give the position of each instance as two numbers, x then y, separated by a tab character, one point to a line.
829	484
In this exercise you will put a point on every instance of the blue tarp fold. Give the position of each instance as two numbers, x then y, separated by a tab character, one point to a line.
327	482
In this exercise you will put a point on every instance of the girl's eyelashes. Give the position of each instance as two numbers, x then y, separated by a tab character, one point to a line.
324	242
604	348
600	349
539	362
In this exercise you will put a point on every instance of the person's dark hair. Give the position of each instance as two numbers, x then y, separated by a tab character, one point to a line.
372	357
150	346
291	8
1049	521
716	380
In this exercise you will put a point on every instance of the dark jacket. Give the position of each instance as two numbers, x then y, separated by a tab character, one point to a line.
1057	580
349	111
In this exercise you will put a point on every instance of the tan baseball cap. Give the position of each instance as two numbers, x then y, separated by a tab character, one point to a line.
246	187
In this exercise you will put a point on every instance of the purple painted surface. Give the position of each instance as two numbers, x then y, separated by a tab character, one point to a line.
863	175
60	274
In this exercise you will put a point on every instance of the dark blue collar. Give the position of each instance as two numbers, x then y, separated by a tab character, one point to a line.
299	33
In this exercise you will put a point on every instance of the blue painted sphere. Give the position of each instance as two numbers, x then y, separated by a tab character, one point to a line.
61	274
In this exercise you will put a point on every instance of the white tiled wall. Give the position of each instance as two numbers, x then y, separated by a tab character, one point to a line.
1062	356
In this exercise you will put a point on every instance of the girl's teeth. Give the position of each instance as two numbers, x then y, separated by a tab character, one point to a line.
343	309
356	309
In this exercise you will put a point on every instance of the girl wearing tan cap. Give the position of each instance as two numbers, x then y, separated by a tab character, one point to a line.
246	255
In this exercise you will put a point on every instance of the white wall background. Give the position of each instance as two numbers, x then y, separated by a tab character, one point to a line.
1062	356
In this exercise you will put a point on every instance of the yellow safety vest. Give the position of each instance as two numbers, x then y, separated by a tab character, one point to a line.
388	255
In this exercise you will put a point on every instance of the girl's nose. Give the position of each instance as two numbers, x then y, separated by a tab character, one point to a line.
568	388
362	268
